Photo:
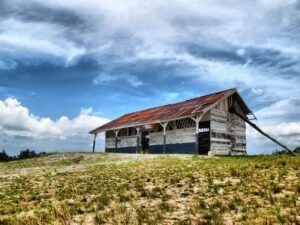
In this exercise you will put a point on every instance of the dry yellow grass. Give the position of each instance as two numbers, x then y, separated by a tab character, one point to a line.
145	189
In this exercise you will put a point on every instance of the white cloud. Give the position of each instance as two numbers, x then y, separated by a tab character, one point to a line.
241	52
277	3
151	23
135	27
35	40
285	129
279	111
104	78
134	81
257	91
86	111
17	121
227	74
169	97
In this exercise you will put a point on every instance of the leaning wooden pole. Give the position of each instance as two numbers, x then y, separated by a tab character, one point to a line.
232	110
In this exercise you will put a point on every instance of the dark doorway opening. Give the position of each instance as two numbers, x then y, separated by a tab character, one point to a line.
204	138
145	141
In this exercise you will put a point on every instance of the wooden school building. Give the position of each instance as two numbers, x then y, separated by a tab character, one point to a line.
203	125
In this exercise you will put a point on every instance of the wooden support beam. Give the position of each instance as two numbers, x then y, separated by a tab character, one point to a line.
232	110
94	142
116	139
164	125
137	140
197	120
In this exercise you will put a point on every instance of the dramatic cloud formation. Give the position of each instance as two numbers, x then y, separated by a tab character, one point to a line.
119	57
18	124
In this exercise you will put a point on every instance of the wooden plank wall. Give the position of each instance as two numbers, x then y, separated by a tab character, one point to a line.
179	136
220	143
228	132
125	141
172	137
239	130
110	142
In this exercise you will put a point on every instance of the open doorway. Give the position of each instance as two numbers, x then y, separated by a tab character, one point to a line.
204	138
145	141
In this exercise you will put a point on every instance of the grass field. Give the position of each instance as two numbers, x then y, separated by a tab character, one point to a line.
146	189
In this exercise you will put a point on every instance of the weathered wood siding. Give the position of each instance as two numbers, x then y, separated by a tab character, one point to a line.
173	137
220	143
125	144
238	128
156	138
228	132
110	142
123	141
127	141
181	136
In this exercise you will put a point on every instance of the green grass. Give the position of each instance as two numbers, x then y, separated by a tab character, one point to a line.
144	189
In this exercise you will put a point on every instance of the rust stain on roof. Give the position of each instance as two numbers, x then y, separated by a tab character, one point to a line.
165	112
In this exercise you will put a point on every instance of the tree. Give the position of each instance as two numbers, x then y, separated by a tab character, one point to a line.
4	157
25	154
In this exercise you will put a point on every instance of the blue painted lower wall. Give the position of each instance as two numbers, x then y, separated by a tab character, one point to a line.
130	150
184	148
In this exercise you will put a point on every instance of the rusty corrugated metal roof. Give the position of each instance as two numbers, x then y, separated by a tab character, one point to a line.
165	112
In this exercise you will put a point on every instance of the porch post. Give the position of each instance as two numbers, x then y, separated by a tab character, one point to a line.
94	142
197	137
164	125
116	140
197	120
137	140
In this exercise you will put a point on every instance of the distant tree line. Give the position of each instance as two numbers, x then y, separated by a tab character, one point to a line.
24	154
279	152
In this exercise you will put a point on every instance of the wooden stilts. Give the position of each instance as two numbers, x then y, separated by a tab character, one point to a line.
232	110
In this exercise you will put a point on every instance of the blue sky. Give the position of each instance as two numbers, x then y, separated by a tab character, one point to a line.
69	66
